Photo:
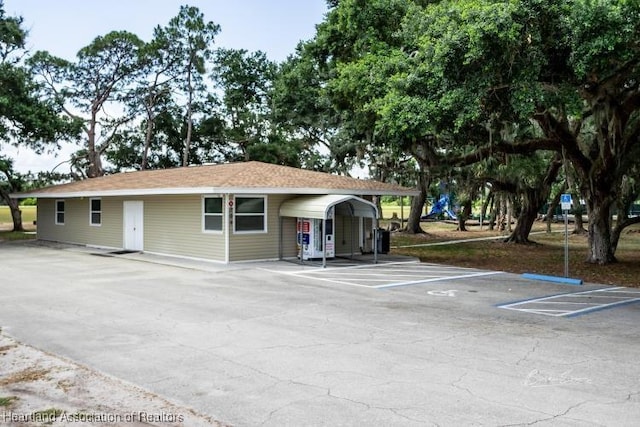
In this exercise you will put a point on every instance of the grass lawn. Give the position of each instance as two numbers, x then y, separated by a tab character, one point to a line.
6	235
6	224
545	256
28	214
389	210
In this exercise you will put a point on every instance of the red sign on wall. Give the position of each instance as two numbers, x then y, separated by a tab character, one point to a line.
306	225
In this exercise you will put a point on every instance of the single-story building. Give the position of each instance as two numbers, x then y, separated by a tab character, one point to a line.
226	212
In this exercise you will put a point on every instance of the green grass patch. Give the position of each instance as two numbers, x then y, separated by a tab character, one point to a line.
16	235
28	214
48	416
389	210
544	256
5	402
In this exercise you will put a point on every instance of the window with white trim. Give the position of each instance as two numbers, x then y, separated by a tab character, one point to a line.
95	211
212	214
250	214
59	212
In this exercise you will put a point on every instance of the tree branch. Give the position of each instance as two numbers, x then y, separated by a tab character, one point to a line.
481	153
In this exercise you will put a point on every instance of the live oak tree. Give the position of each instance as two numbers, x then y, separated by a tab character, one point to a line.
431	76
581	60
561	64
354	53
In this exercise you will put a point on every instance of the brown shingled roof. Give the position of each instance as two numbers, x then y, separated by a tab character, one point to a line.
228	177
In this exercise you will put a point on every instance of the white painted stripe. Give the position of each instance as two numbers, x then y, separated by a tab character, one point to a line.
338	282
438	279
353	273
354	266
596	296
566	302
593	306
613	304
554	297
553	313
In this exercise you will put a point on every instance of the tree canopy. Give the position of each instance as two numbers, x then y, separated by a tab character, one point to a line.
514	93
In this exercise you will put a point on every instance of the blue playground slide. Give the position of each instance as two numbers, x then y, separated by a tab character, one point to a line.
442	206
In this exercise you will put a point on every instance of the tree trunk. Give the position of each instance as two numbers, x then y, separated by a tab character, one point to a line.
464	214
147	139
417	205
600	247
493	211
509	201
526	218
502	212
187	139
16	216
94	168
14	207
578	223
95	164
552	208
485	206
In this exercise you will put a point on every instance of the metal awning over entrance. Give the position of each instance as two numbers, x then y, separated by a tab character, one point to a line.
318	207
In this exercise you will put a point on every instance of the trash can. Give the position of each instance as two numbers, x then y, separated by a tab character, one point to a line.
384	241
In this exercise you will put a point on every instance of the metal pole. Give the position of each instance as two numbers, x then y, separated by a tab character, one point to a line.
375	240
324	241
566	243
481	206
301	234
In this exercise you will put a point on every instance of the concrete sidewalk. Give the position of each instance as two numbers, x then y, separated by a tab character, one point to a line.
250	346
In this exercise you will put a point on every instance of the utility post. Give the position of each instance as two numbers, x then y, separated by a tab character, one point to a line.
565	202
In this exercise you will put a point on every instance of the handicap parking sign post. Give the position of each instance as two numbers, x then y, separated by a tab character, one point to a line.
565	202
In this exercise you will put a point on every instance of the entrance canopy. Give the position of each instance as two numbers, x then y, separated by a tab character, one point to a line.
318	207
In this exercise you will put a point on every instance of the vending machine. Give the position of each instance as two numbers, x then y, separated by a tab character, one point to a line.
310	236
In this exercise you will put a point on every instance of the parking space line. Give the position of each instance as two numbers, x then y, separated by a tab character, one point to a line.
388	275
601	294
437	279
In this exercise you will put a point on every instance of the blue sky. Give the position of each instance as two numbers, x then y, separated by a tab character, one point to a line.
63	27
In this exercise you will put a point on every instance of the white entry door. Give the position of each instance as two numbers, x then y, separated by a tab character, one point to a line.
133	225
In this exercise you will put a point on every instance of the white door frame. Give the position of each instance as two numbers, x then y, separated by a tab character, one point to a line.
133	225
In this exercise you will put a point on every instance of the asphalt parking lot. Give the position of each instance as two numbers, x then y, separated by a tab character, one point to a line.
282	344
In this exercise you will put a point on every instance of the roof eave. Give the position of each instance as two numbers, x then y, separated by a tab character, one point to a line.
215	190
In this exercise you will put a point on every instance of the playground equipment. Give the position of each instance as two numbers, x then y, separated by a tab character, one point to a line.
441	206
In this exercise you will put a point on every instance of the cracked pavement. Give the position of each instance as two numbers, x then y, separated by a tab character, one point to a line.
249	346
